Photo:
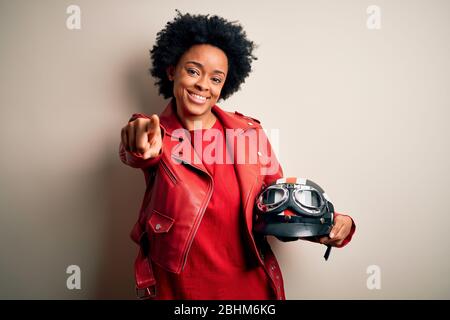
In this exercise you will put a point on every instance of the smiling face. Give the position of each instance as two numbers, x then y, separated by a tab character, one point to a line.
198	80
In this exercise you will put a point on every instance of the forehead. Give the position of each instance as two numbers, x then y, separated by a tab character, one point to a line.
209	56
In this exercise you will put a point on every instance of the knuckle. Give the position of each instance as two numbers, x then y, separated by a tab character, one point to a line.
129	129
142	121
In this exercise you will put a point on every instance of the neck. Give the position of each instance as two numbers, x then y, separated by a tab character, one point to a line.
191	122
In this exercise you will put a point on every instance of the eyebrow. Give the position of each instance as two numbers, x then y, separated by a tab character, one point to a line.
198	64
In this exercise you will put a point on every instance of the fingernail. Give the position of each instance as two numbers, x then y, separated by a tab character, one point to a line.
331	235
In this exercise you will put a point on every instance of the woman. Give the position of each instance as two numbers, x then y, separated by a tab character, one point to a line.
195	223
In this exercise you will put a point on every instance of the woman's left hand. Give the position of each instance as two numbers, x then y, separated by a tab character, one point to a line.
341	229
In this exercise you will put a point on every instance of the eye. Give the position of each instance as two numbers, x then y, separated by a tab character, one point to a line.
192	72
217	80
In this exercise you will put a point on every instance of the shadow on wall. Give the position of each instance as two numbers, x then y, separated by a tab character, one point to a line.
124	188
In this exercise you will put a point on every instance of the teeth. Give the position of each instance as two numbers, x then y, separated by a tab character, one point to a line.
198	97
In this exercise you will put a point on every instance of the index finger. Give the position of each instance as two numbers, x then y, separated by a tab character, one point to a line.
153	124
142	138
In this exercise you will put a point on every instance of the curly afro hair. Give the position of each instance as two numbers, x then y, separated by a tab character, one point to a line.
187	30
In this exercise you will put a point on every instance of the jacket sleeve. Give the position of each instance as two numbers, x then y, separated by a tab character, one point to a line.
274	172
273	175
134	159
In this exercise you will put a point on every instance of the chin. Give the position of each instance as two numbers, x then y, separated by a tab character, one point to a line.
195	109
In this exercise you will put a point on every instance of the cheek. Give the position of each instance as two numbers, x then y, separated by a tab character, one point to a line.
216	91
182	83
179	88
187	81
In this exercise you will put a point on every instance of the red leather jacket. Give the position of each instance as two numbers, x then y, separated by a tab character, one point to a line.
178	192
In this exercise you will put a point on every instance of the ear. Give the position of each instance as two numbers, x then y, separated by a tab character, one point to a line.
170	72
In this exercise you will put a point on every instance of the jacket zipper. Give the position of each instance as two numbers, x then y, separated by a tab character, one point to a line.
168	172
202	211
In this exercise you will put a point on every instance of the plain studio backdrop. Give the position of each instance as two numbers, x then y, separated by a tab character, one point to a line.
362	108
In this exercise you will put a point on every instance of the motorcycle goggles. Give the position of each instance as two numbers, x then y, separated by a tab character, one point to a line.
302	196
294	207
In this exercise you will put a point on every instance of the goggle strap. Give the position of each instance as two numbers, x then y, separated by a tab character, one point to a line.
327	252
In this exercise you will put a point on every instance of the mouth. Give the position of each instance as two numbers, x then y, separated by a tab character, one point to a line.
197	98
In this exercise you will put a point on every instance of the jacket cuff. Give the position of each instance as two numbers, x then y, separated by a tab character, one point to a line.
136	160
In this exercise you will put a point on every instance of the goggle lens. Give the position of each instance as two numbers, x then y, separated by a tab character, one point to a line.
308	198
272	196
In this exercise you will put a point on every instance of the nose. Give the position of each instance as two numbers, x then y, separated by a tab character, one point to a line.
201	84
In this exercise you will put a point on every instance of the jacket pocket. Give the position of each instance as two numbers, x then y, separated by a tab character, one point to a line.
164	247
160	223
